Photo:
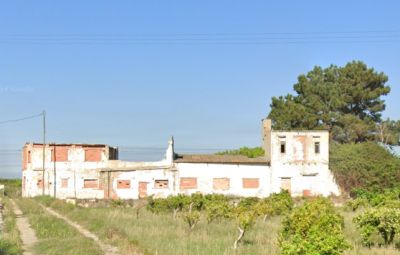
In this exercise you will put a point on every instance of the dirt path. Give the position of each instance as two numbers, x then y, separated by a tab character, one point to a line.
28	236
107	249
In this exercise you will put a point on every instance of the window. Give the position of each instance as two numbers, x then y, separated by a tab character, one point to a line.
39	183
317	147
29	156
283	147
221	183
93	155
188	183
286	184
123	184
161	184
64	183
251	183
59	154
90	184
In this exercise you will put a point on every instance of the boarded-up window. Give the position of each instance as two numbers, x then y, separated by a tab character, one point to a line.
59	154
251	183
64	183
24	159
286	184
123	184
39	183
188	183
221	183
93	154
161	184
90	184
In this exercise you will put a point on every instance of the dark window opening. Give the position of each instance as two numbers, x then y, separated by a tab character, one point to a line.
283	147
317	147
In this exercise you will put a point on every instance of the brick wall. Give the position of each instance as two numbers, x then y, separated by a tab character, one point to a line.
251	183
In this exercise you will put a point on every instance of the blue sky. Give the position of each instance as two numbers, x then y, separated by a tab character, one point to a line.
70	58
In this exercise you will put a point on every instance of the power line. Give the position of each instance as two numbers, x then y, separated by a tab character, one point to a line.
379	36
21	119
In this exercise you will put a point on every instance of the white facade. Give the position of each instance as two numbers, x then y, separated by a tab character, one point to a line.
294	160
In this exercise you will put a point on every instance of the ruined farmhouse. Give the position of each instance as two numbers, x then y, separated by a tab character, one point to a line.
297	161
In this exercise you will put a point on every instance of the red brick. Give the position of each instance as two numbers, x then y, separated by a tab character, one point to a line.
123	184
90	184
188	183
251	183
221	183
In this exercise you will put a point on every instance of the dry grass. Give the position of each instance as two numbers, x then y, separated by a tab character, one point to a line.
161	234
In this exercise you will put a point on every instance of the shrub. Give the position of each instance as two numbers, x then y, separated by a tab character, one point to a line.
276	204
244	219
245	151
6	248
354	204
364	165
313	228
217	209
382	220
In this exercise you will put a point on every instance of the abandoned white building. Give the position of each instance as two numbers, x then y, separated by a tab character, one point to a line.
297	161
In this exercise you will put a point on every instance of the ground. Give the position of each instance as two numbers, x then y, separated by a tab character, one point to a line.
133	230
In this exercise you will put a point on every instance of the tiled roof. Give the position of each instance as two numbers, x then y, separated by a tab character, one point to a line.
219	159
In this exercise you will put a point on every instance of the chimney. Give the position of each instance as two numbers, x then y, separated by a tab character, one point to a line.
266	137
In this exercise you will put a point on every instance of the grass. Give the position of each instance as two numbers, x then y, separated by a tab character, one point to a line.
55	236
12	187
11	243
161	234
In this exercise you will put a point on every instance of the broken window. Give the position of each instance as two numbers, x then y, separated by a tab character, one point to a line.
221	183
283	147
317	147
39	183
251	183
161	184
90	184
123	184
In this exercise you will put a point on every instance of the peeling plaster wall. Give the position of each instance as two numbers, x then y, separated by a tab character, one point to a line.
307	170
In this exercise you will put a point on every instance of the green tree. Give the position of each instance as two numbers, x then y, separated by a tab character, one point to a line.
344	100
384	221
313	228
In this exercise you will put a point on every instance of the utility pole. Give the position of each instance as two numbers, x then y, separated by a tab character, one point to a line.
44	149
54	174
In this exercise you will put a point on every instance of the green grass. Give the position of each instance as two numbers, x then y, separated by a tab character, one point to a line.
160	234
11	244
12	187
55	236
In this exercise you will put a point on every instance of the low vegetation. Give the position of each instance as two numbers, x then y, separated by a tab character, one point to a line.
365	166
313	228
245	151
10	242
55	236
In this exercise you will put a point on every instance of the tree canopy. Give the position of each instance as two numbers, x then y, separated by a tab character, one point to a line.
347	101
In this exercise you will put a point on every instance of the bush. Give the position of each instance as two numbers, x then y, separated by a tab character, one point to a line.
314	229
364	165
245	151
377	198
6	248
384	221
275	204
